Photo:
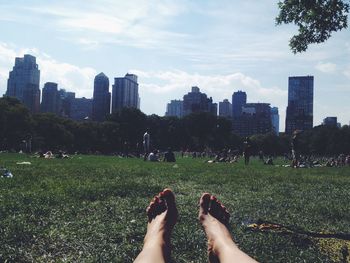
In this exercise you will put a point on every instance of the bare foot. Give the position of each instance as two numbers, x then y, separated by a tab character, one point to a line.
162	216
214	218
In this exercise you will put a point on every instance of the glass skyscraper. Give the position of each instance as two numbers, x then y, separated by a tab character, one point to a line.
300	104
239	99
50	100
80	109
101	103
23	82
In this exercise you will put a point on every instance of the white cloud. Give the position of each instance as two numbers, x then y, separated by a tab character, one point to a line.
346	72
139	23
167	85
68	76
6	53
93	21
326	67
177	79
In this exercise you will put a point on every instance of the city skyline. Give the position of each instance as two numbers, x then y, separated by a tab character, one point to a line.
125	93
173	45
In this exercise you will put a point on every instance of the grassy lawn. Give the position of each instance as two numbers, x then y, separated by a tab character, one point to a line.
92	208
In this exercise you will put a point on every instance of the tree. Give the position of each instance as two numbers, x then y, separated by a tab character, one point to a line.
200	128
132	125
51	133
316	19
269	143
16	123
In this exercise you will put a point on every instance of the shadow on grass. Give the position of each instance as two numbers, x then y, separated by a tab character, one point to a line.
130	189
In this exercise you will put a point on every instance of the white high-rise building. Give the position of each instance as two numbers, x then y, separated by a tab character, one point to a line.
125	93
175	108
225	109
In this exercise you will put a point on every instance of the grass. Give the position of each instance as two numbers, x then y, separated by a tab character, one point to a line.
92	208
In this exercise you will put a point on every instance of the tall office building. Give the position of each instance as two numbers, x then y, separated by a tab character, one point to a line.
23	82
255	118
196	101
81	109
330	121
174	108
125	93
239	99
65	102
300	104
275	119
50	100
225	109
101	102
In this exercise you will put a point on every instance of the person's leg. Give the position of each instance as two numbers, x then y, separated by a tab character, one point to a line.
162	217
214	218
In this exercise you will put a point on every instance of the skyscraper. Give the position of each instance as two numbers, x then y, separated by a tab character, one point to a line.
225	109
196	101
300	103
81	109
101	102
50	101
65	102
125	93
23	82
275	119
239	99
330	121
255	118
175	108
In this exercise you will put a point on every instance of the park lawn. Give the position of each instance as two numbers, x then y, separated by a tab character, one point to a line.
92	208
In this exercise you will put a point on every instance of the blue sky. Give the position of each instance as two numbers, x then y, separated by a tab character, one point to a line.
221	46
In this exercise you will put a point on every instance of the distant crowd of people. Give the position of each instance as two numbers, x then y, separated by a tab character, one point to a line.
295	157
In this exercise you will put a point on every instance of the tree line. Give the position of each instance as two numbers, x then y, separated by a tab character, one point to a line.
123	131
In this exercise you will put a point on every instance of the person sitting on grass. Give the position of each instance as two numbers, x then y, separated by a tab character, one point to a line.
347	160
269	161
162	216
62	155
153	156
49	155
169	156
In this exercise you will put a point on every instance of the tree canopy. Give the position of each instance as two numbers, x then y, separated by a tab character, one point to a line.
123	131
316	20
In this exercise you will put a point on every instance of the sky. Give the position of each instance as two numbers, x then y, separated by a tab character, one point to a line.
220	46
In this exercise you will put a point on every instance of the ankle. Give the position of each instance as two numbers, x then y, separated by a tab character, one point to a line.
223	248
221	244
157	239
162	245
